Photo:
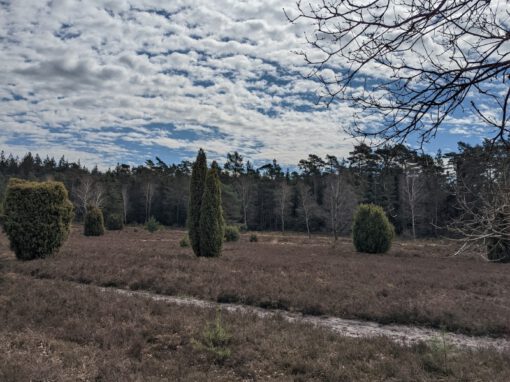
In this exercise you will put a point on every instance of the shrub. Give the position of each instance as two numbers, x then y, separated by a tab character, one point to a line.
196	192
94	222
37	217
232	233
211	216
152	224
215	340
498	250
371	231
253	238
114	222
184	243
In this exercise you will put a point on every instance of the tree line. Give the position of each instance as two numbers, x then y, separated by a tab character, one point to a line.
421	194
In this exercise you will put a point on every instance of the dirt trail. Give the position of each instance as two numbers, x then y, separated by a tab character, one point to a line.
402	334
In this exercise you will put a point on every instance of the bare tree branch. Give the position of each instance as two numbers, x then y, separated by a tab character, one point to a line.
419	61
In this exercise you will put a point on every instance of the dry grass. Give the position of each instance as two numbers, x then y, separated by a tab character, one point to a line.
50	331
415	283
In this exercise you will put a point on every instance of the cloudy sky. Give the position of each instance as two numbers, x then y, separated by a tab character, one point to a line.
124	81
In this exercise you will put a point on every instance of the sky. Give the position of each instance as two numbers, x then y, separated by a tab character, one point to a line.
119	81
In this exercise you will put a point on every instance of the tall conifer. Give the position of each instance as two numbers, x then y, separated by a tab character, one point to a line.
196	193
211	216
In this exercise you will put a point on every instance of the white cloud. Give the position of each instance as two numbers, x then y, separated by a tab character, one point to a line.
90	78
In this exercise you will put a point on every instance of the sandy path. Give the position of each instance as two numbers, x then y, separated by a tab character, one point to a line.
402	334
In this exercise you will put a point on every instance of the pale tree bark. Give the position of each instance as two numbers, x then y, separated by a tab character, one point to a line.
149	194
125	201
282	197
244	185
306	203
413	191
341	201
88	193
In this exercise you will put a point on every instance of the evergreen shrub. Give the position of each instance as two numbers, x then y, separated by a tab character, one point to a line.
371	231
37	217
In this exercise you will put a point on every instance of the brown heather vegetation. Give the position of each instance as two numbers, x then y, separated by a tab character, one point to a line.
51	331
414	283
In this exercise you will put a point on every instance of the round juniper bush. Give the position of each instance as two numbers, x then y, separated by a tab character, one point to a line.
94	222
371	231
37	217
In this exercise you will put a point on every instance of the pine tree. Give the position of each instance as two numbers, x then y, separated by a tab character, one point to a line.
211	216
196	192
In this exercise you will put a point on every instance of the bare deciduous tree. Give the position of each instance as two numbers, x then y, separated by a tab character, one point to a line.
244	186
282	195
412	63
484	219
88	193
340	202
307	202
149	194
413	185
125	201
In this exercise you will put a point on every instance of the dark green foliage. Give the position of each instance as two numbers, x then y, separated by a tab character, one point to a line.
196	192
37	217
232	233
372	232
215	340
211	217
152	224
254	238
94	222
184	243
114	222
498	250
230	202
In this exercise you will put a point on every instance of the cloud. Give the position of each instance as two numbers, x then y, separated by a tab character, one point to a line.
105	81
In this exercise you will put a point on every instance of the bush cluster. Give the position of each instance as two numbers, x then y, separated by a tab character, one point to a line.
232	233
37	217
94	222
253	238
114	222
152	225
372	232
184	243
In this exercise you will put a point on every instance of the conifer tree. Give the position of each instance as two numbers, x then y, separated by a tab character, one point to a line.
94	222
196	193
211	216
